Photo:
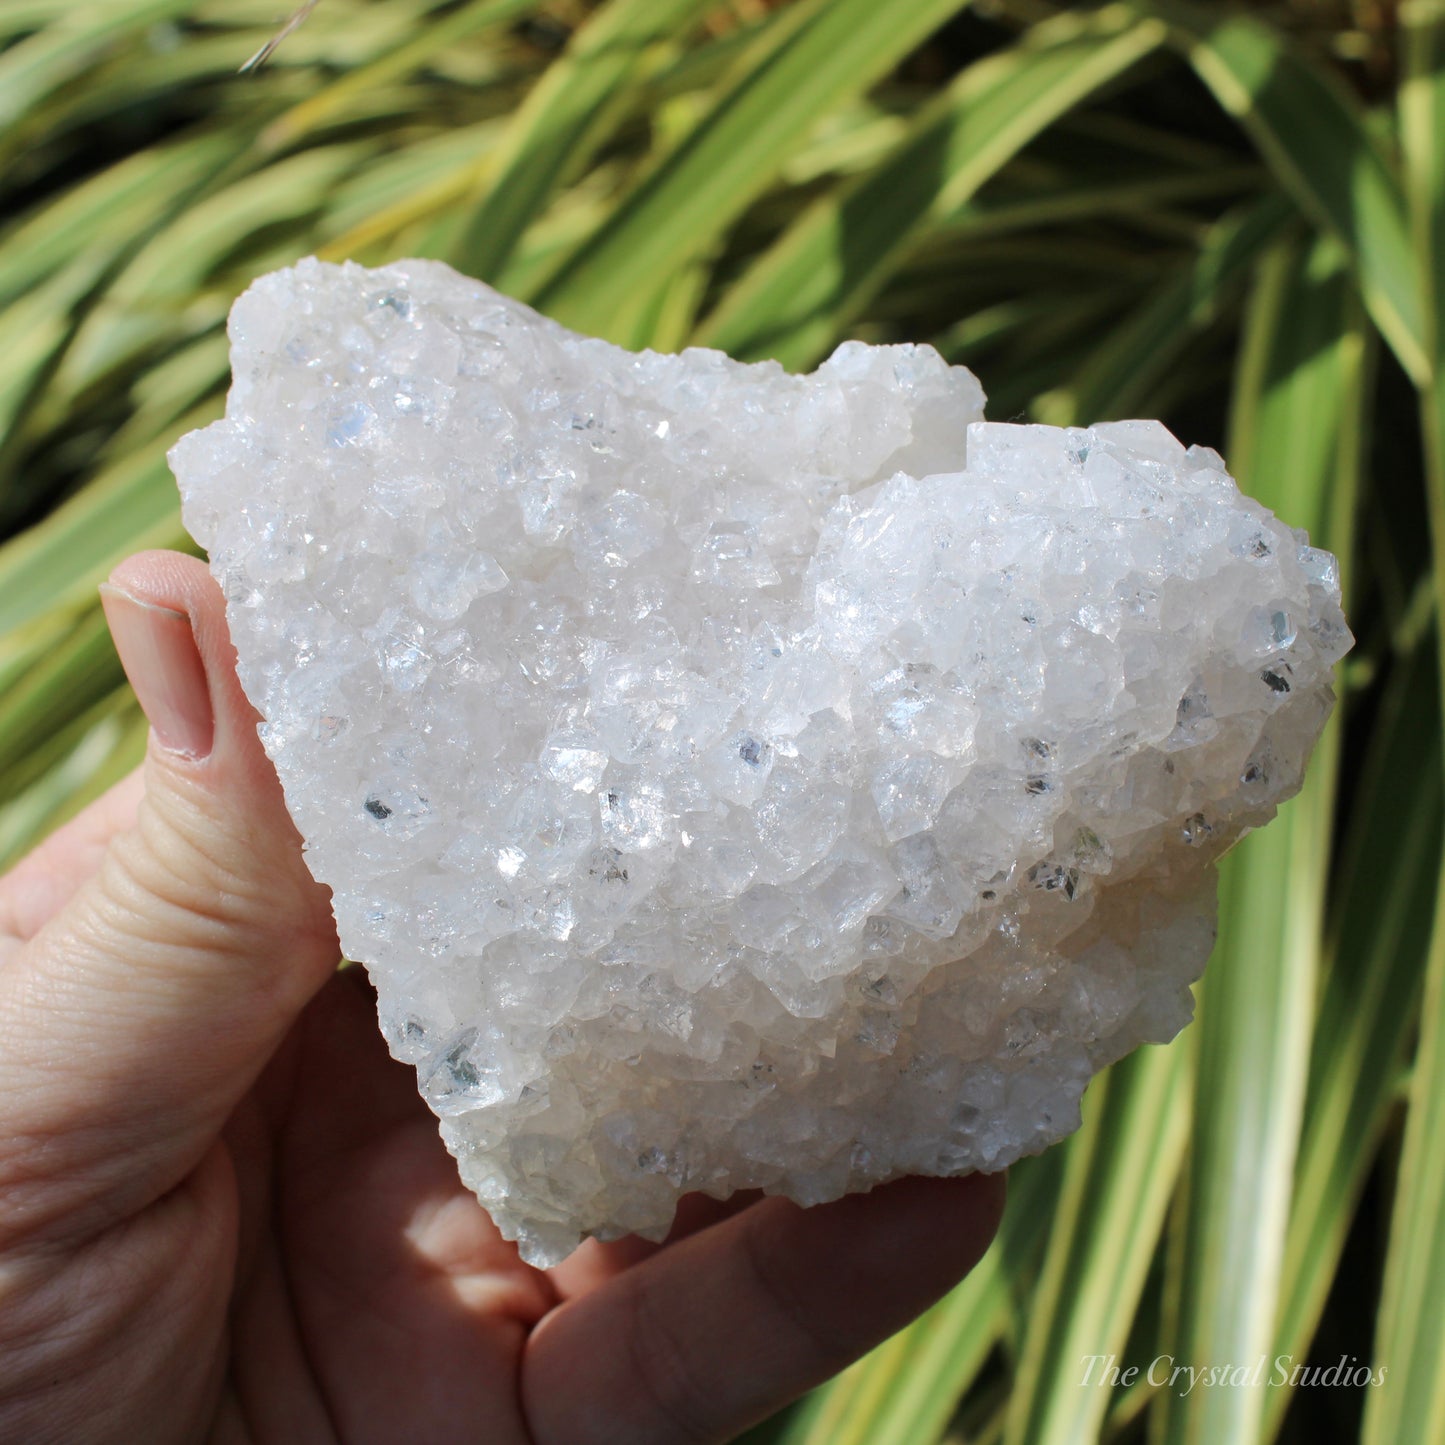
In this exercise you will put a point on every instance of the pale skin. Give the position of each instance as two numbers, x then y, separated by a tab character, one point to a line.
226	1215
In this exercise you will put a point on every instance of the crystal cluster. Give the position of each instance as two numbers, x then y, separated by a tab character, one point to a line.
737	780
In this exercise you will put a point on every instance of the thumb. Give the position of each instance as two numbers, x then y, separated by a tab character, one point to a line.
141	1013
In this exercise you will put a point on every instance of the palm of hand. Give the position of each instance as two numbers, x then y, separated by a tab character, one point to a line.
364	1267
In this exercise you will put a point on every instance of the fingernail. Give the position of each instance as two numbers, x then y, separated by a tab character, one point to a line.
158	651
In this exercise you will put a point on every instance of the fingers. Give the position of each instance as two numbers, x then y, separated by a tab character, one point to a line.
713	1334
593	1263
139	1014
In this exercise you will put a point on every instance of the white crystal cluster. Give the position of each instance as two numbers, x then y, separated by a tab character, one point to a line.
736	780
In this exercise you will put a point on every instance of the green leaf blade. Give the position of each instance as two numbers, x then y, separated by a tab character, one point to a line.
829	52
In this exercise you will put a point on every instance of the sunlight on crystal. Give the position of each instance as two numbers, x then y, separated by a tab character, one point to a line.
732	779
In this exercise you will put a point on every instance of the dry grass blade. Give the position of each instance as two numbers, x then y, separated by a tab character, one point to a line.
264	54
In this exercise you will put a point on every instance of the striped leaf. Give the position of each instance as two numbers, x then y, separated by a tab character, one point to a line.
1409	1409
1134	353
1295	445
562	120
1315	136
813	281
1375	963
827	52
1122	1170
76	37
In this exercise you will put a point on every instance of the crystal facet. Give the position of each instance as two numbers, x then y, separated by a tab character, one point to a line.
734	779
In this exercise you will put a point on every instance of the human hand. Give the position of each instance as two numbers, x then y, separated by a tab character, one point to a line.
226	1214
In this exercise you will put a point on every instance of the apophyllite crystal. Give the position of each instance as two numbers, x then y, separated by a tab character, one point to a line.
733	779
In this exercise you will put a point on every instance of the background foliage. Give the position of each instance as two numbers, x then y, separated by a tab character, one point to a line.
1233	218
